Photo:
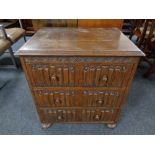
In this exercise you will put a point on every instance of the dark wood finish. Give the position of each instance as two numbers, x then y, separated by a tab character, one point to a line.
80	42
72	80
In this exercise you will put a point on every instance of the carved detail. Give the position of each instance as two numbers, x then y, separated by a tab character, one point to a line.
85	75
53	59
100	98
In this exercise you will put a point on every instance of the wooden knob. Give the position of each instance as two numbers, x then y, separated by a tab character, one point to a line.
105	78
100	101
97	117
59	118
57	101
53	77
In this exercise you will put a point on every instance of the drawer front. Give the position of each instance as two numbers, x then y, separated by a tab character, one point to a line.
55	98
83	97
87	74
81	115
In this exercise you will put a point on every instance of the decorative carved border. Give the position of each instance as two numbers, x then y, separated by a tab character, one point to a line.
71	59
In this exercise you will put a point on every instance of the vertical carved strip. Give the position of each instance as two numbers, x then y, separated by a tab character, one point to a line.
89	77
83	115
85	74
72	99
97	76
64	115
66	78
30	70
88	115
59	115
51	99
117	78
60	75
104	78
106	98
102	115
56	99
71	76
39	76
76	76
69	115
34	78
62	99
111	99
46	76
95	97
127	74
39	99
52	75
73	118
92	115
67	100
80	77
110	76
54	115
90	99
85	97
45	99
92	73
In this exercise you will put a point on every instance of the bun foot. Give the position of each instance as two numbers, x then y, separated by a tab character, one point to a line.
45	125
111	125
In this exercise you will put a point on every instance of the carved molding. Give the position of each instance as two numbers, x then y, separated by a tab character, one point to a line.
70	59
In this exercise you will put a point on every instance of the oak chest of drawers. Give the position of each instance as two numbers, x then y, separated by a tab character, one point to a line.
79	75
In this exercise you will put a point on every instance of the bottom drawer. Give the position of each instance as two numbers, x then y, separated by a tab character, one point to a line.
78	115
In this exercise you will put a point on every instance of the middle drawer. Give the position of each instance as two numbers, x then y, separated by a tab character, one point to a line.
78	97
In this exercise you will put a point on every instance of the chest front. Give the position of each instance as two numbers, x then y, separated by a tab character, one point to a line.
74	81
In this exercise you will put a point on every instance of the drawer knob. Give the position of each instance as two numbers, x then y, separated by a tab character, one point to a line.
100	101
54	77
57	101
59	118
97	117
104	78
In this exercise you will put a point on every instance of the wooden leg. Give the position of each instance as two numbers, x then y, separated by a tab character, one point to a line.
111	125
46	125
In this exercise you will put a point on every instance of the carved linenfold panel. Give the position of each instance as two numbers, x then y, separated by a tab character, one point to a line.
82	115
59	115
87	75
71	59
100	98
55	98
76	98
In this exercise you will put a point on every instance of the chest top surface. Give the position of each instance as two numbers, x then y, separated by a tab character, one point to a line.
79	42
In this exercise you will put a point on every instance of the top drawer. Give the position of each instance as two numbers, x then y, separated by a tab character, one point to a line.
87	72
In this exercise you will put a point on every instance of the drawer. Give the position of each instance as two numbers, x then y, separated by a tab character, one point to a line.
81	97
87	74
81	115
55	98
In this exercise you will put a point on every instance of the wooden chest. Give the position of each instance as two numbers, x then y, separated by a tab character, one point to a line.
79	75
